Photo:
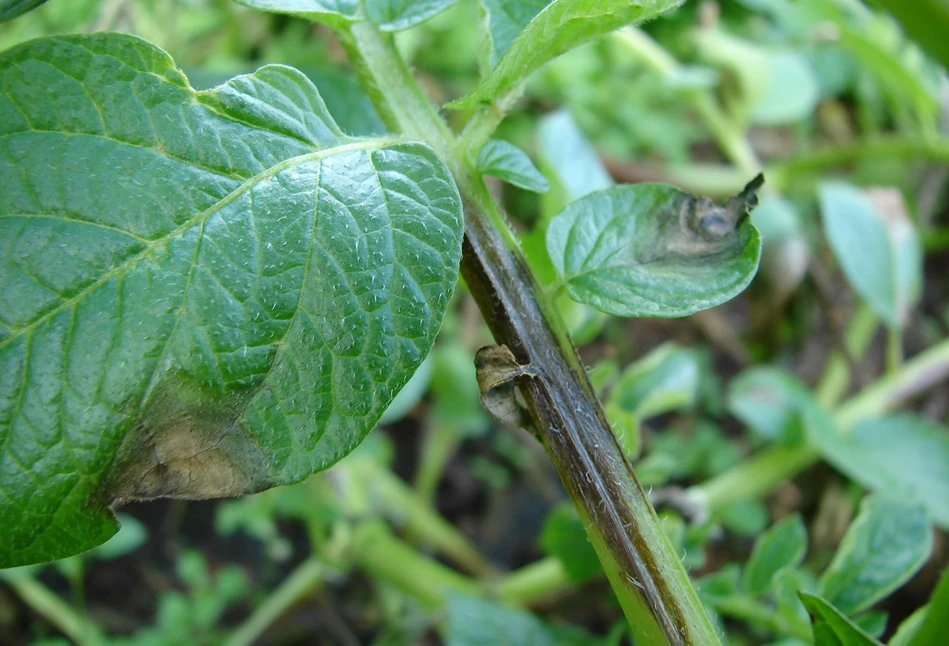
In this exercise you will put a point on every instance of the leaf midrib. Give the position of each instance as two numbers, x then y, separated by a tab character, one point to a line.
363	144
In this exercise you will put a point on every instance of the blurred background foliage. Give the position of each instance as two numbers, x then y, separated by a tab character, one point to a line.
443	527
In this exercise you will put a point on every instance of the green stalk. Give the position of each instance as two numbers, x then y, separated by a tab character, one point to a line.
650	582
301	582
935	626
380	554
769	468
836	378
730	138
50	605
536	580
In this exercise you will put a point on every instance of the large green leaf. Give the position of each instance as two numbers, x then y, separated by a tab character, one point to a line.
652	250
390	15
560	26
882	549
201	293
900	455
10	9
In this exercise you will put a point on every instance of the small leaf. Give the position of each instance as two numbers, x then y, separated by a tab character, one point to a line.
831	627
573	162
389	15
652	250
791	93
473	621
203	293
881	550
10	9
768	400
901	455
666	379
562	25
564	537
506	161
878	252
781	547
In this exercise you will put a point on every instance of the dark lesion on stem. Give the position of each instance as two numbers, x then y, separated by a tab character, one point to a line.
566	415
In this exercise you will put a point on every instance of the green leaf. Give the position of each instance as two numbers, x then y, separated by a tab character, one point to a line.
411	394
781	547
652	250
831	627
926	22
878	252
389	15
791	92
504	20
768	401
201	294
906	631
473	621
506	161
666	379
933	622
10	9
900	455
564	537
573	162
333	12
882	549
562	25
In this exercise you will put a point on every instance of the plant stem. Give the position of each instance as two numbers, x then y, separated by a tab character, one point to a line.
51	606
769	468
891	147
539	579
836	378
301	581
381	555
399	501
650	582
731	139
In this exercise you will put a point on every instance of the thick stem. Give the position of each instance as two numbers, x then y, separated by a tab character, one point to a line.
647	575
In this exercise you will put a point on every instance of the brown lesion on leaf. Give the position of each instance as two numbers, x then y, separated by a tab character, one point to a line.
706	227
188	443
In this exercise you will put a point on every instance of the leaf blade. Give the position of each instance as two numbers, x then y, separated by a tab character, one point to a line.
640	250
232	290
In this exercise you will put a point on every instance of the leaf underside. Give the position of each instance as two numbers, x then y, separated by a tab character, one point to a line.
202	294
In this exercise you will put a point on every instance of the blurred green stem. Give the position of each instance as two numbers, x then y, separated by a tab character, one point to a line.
836	378
730	138
51	606
769	468
383	556
539	579
437	449
301	582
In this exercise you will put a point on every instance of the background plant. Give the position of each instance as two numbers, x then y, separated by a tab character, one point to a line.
805	90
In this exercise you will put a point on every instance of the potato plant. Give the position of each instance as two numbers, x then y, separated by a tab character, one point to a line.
217	284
